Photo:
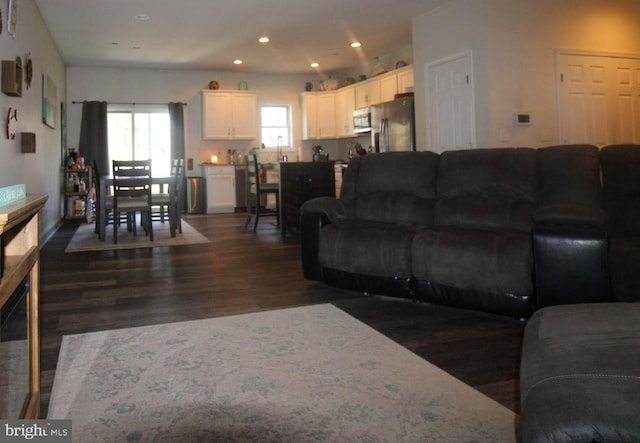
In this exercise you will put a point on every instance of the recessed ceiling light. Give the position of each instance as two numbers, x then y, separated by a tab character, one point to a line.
237	62
314	65
356	44
264	39
142	17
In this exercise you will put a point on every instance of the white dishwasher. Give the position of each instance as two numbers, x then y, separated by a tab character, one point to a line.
221	187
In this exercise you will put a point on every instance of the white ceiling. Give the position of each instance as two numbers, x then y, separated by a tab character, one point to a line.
210	34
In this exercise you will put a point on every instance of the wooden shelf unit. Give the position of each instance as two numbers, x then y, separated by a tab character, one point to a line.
70	196
19	240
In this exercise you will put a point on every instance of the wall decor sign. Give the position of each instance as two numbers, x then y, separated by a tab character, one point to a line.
12	17
9	194
49	101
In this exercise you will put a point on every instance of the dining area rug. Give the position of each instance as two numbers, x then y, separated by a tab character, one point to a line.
85	238
304	374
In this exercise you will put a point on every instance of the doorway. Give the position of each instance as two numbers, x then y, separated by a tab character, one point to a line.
598	97
450	103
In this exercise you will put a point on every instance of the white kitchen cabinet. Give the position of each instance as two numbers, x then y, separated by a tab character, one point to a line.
221	187
229	115
367	93
405	79
345	105
388	87
318	115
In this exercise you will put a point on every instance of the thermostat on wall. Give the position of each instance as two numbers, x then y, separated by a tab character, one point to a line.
522	118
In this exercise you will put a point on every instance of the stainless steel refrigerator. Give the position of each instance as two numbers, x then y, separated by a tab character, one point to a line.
393	125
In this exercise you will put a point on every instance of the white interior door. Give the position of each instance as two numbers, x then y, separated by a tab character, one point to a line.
450	104
598	98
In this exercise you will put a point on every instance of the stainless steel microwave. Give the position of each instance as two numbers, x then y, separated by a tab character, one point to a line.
362	120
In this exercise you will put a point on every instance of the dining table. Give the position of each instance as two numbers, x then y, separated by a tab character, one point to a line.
106	183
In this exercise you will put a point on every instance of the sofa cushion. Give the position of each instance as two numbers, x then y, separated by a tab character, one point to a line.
621	188
395	187
485	213
569	175
580	374
486	261
486	189
624	267
370	248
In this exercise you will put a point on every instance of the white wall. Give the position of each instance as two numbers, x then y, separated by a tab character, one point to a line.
163	86
41	172
513	45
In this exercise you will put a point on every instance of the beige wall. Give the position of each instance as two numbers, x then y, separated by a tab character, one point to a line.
513	44
41	172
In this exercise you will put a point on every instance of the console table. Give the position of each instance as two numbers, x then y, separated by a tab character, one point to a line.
20	260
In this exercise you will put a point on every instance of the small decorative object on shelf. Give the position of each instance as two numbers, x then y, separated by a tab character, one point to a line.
213	84
329	84
10	194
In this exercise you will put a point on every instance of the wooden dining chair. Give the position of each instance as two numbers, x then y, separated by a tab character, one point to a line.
100	195
256	191
132	194
169	203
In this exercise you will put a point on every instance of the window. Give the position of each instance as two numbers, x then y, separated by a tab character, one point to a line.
139	135
276	126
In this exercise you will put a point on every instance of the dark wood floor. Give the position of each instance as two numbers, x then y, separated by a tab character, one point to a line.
241	271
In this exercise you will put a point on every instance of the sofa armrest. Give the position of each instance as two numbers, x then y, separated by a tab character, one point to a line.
310	225
332	208
570	214
570	263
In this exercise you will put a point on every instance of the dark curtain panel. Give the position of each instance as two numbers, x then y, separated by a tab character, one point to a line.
93	144
176	116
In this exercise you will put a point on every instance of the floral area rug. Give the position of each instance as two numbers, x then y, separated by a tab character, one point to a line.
85	238
307	374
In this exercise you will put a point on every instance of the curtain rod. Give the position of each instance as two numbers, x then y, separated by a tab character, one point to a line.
132	103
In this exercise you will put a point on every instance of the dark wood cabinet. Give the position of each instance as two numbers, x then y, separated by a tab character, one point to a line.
299	182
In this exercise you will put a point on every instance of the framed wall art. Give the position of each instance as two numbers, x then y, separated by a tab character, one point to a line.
49	101
12	17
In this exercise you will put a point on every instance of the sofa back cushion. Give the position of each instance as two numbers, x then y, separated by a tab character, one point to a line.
621	188
486	189
395	187
569	189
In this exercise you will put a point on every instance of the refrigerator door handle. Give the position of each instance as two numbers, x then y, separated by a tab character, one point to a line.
384	135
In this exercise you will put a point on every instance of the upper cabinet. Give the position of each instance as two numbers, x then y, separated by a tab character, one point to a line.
383	88
405	79
329	114
388	88
345	105
367	93
318	115
229	115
